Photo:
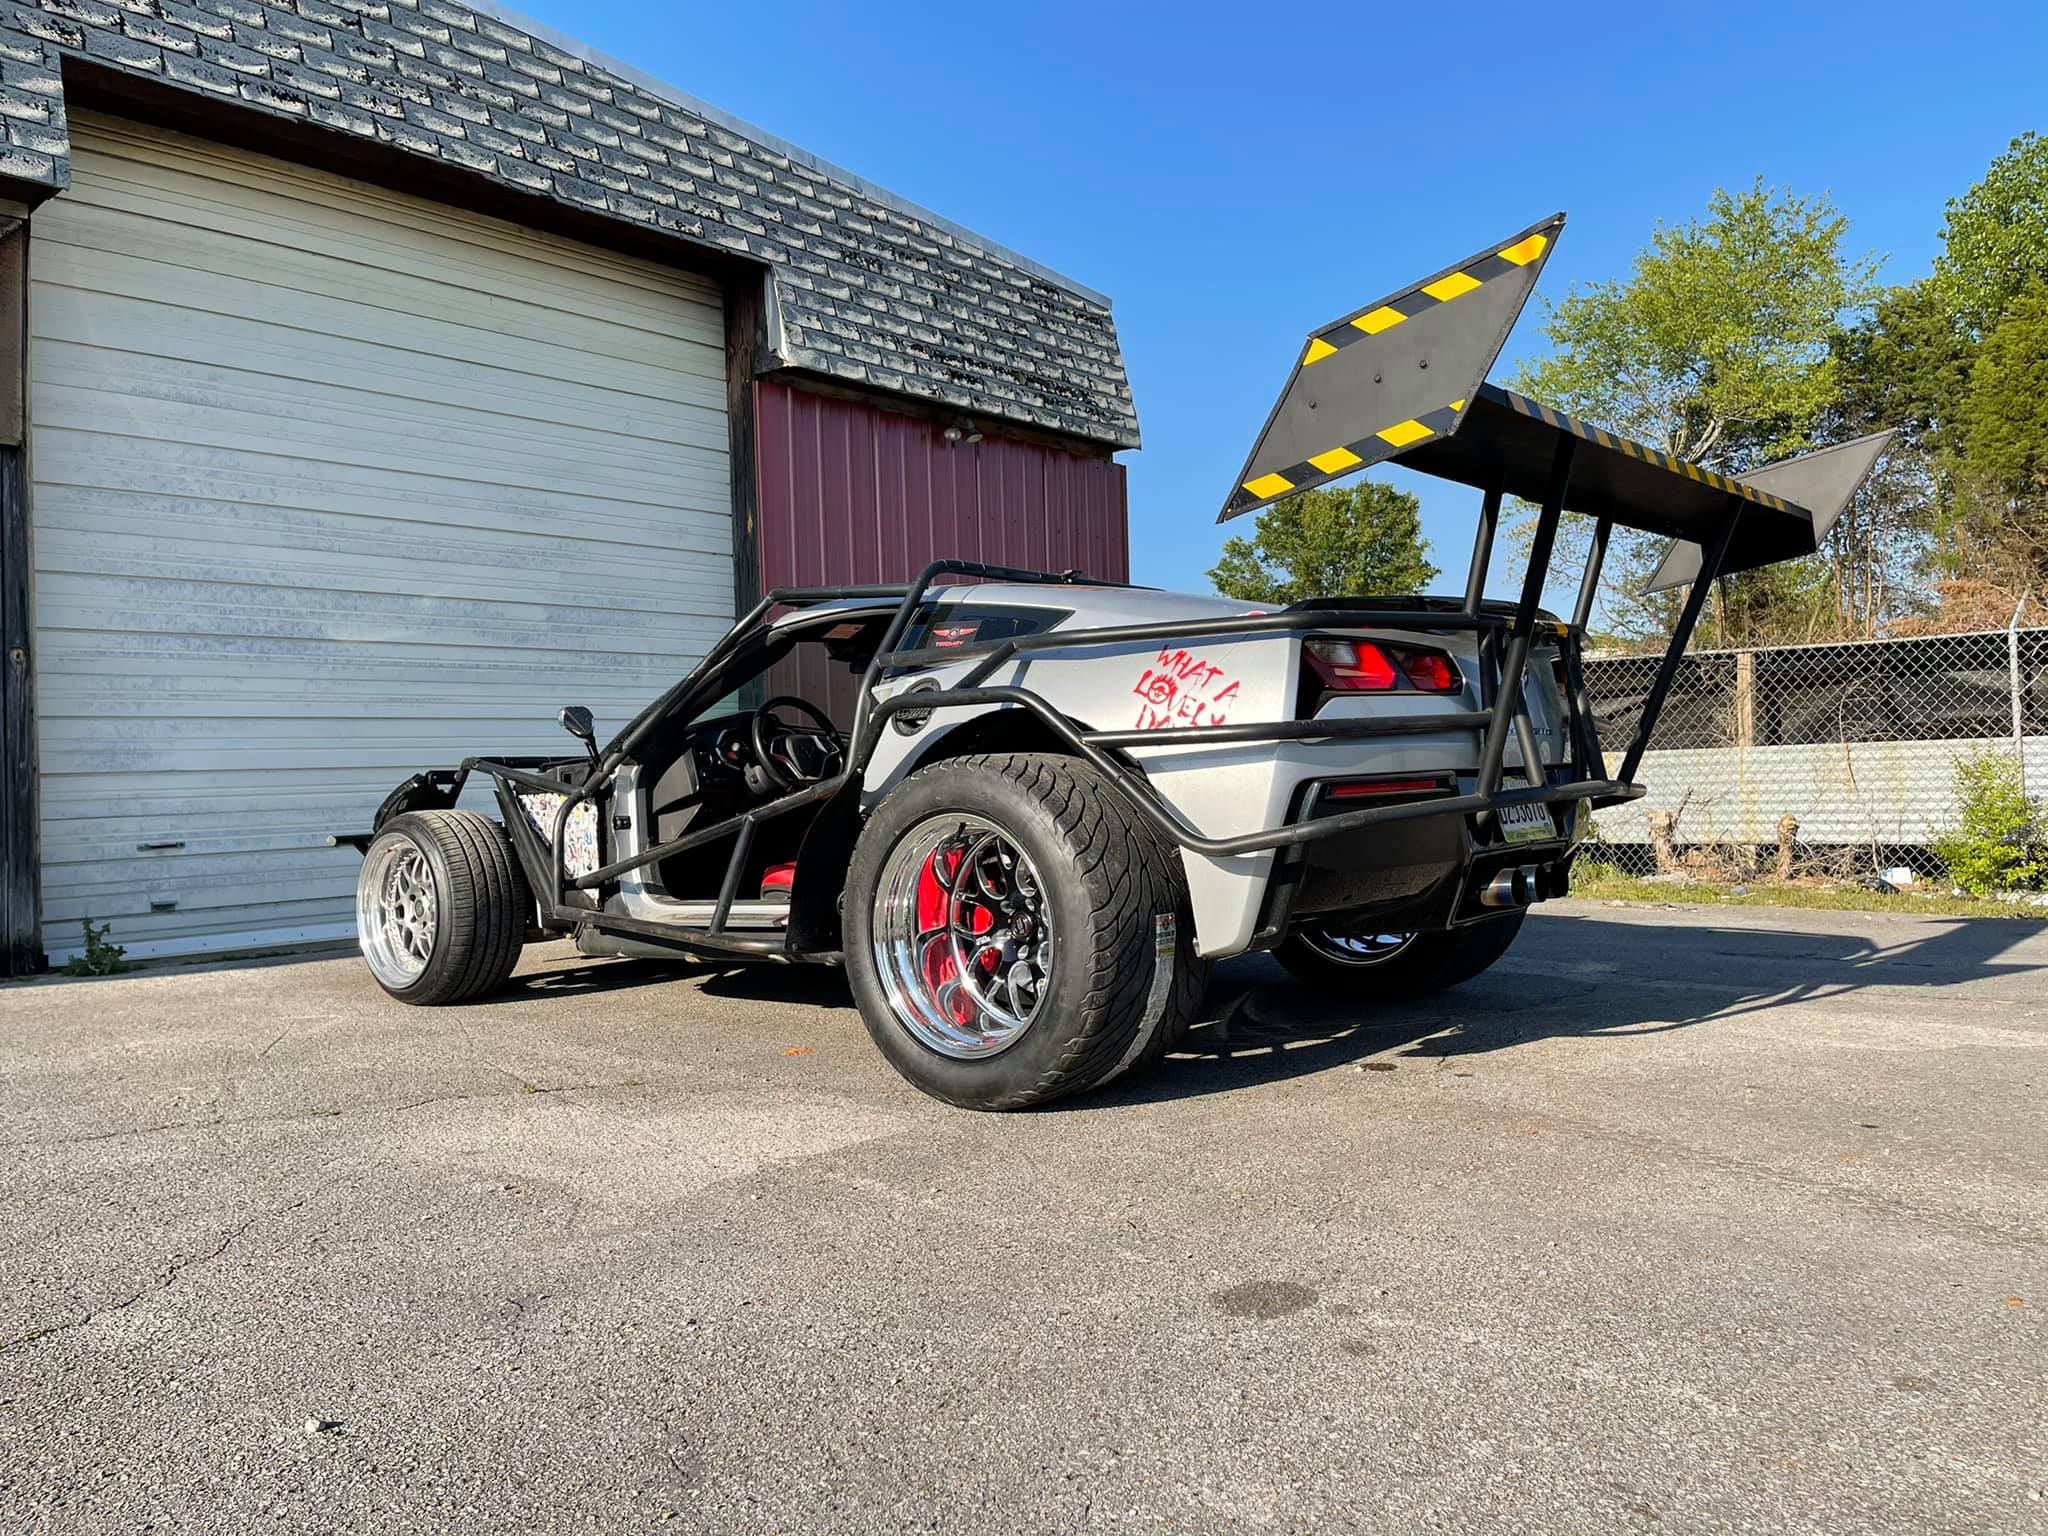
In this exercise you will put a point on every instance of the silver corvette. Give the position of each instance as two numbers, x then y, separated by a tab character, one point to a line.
1027	814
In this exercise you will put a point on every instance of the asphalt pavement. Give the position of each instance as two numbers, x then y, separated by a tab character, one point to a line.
1676	1221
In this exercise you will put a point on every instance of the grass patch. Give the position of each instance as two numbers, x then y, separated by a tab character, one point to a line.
1602	882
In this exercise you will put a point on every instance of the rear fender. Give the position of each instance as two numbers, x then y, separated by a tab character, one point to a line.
967	733
434	790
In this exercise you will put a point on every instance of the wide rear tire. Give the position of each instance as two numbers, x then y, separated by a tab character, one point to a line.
442	907
1003	936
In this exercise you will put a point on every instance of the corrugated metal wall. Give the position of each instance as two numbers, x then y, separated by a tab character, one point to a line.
333	485
850	492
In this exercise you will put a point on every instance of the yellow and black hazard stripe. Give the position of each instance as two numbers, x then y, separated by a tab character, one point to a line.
1335	461
1452	285
1404	434
1592	434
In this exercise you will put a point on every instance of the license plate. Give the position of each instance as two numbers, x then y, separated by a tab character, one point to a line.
1526	823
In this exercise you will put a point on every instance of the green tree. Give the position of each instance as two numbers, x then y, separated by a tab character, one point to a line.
1904	365
1715	348
1718	347
2004	416
1995	237
1993	446
2002	429
1362	539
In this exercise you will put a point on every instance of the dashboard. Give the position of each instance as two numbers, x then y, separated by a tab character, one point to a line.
716	768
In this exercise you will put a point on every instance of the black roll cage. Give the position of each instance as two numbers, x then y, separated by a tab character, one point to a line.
1505	639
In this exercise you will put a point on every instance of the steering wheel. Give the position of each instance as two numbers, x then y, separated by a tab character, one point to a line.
788	756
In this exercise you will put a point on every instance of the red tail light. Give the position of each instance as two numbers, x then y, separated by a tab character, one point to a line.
1431	671
1361	666
1351	666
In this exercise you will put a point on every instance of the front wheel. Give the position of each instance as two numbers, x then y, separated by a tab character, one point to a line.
441	907
1014	932
1356	958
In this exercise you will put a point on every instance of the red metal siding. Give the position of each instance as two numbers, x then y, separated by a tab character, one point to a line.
850	492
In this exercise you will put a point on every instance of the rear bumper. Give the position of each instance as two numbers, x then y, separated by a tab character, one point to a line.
1426	869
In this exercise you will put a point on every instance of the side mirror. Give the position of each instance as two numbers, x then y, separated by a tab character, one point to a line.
577	721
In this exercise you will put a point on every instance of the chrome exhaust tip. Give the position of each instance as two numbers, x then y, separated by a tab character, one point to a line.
1510	888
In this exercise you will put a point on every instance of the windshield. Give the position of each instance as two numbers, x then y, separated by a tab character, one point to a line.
820	664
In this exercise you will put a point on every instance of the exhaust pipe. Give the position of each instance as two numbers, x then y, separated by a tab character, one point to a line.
1510	888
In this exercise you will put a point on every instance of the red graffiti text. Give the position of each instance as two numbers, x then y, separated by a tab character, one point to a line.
1183	689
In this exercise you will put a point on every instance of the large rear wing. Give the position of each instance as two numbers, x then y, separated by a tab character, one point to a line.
1403	381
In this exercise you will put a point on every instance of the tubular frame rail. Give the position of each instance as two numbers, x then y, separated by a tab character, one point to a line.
1505	640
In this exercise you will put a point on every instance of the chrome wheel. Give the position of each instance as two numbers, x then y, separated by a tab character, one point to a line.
396	911
963	936
1359	948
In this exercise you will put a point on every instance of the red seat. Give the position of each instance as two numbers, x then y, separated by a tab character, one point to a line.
778	878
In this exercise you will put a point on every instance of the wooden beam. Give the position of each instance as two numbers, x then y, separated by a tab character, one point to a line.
21	943
1745	699
13	324
745	345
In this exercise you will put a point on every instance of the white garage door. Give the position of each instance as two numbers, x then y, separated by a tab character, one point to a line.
332	485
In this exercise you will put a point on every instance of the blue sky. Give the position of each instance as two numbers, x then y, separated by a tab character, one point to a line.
1233	176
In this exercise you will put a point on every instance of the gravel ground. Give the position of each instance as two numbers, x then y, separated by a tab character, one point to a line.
1685	1220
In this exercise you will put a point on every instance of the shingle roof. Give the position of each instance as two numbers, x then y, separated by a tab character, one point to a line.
870	289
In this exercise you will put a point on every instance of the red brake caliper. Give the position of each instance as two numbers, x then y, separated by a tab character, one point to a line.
934	920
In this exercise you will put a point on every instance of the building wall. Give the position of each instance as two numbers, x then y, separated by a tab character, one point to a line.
852	492
333	485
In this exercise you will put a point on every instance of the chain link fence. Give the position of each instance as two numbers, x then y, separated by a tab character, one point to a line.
1832	761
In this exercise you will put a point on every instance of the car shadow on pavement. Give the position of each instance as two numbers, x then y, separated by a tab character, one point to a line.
579	977
824	986
576	975
1578	977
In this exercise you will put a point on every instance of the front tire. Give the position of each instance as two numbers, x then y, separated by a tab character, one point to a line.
1393	968
442	907
1003	936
